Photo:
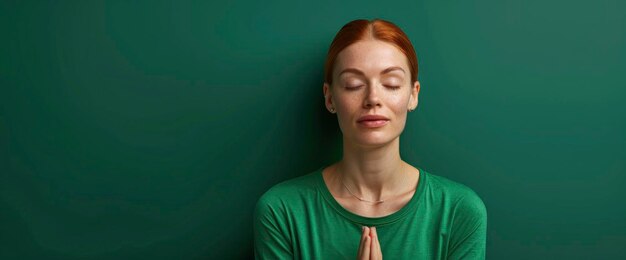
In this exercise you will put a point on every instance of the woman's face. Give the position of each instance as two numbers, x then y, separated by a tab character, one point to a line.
371	77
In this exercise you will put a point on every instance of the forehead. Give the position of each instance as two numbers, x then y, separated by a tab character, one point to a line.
371	56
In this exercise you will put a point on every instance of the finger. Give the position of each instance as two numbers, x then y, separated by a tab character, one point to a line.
362	242
376	251
367	248
373	232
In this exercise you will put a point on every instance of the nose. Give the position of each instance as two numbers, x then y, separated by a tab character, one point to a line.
372	97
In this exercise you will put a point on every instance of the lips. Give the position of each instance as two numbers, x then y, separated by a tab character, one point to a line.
372	121
372	118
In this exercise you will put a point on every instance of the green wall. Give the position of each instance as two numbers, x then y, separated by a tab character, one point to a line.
149	130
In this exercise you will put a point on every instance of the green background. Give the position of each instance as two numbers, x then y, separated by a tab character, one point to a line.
149	129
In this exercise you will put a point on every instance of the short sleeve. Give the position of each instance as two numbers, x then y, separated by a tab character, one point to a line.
468	234
270	240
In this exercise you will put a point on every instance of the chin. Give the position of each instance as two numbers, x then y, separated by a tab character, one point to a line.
371	140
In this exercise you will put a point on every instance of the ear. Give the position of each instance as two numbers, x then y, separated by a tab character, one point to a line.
413	100
328	96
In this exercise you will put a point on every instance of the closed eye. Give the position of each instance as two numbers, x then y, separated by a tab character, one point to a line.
357	87
354	88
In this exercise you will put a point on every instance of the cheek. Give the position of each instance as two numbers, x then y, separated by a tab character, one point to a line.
346	103
398	103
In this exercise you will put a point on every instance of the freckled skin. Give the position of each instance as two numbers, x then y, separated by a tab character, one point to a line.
373	94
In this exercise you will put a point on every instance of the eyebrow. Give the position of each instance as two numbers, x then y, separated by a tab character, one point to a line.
356	71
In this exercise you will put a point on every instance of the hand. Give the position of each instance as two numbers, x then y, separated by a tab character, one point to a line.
369	248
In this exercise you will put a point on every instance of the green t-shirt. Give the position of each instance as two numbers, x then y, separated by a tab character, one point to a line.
300	219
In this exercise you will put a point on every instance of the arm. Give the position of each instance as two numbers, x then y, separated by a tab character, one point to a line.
469	229
270	241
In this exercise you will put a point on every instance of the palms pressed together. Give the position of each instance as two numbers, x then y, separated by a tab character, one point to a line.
369	248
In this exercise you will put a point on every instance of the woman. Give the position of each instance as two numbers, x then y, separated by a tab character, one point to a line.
371	203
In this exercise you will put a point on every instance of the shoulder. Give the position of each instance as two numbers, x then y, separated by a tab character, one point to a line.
462	198
289	192
465	220
300	185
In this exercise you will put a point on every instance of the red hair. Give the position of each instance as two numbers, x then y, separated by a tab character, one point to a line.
377	29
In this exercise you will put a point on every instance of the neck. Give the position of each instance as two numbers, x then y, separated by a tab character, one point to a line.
374	173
